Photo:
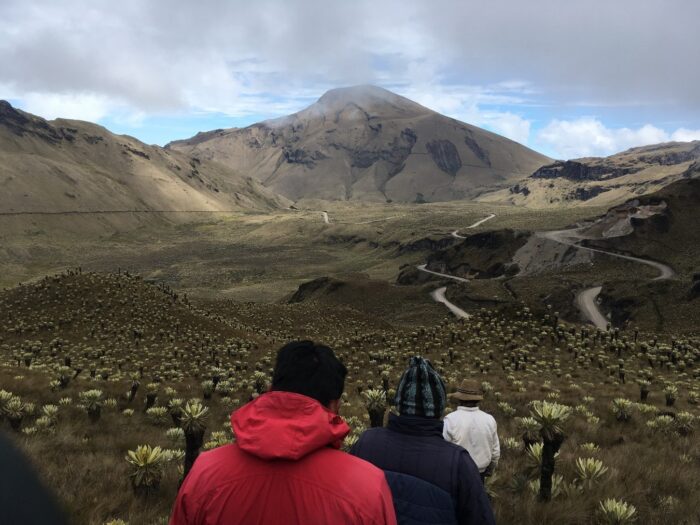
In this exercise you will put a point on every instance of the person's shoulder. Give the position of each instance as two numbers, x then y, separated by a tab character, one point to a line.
218	453
219	458
488	417
452	415
353	463
358	477
373	435
453	447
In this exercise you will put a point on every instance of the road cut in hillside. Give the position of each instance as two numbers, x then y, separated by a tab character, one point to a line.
477	223
586	300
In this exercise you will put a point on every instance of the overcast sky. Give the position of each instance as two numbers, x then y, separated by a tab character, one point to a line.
568	78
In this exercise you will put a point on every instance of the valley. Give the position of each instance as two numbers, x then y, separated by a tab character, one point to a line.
140	285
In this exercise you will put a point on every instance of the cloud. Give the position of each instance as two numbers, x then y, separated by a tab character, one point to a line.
477	105
78	106
153	53
508	124
489	62
588	136
686	135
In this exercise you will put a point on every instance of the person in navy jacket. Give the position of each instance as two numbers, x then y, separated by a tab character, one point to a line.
431	480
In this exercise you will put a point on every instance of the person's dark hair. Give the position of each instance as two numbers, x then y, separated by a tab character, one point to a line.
309	369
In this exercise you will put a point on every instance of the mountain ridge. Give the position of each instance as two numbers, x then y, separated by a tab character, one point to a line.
371	144
75	166
599	181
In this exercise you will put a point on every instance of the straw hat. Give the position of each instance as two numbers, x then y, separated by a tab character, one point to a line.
469	390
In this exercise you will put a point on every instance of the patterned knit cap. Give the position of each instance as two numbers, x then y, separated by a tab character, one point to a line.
421	391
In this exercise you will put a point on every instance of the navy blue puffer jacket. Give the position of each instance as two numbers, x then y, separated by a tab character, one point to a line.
414	446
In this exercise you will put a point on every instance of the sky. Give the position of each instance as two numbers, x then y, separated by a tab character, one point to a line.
567	78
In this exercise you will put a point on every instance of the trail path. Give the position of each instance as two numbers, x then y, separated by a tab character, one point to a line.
586	303
477	223
424	268
324	214
439	294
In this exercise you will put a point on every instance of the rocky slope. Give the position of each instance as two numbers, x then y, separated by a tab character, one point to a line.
74	166
602	181
366	143
671	235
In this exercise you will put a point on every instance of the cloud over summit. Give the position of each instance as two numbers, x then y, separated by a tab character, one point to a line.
499	63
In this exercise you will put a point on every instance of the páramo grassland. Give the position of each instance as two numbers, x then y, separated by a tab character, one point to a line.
124	349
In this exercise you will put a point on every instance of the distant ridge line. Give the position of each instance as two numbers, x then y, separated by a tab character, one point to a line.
98	212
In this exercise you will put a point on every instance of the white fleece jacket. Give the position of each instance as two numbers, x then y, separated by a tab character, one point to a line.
476	431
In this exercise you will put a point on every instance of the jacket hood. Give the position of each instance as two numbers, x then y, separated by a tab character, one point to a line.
285	425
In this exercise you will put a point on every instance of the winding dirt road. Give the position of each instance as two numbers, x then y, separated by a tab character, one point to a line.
477	223
438	295
587	305
424	268
586	300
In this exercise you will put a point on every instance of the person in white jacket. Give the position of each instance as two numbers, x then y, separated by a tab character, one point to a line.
473	429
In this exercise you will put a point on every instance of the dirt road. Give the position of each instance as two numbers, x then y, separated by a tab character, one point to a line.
477	223
586	300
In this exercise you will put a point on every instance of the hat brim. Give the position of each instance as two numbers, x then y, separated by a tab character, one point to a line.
461	396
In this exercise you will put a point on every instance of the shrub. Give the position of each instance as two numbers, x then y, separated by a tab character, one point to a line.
557	489
506	409
14	411
375	403
91	402
176	435
589	471
530	429
193	422
662	424
147	468
684	423
590	448
207	388
622	409
550	416
616	512
159	415
671	393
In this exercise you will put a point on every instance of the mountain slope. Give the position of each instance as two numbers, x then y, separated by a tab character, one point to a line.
602	181
672	235
69	166
366	143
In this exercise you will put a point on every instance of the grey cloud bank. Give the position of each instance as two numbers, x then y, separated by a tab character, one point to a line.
489	62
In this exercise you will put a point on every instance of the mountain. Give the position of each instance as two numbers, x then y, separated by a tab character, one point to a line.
366	143
602	181
74	166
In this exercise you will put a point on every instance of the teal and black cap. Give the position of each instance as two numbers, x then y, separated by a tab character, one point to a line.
421	391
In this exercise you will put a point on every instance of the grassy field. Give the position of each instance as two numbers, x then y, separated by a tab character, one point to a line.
211	304
66	335
248	257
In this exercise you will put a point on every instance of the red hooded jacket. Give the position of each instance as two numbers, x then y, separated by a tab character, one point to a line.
284	469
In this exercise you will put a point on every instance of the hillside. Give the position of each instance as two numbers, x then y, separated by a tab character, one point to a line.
366	143
74	166
671	236
602	181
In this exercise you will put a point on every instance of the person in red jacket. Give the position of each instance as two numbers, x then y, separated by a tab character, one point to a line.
285	467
